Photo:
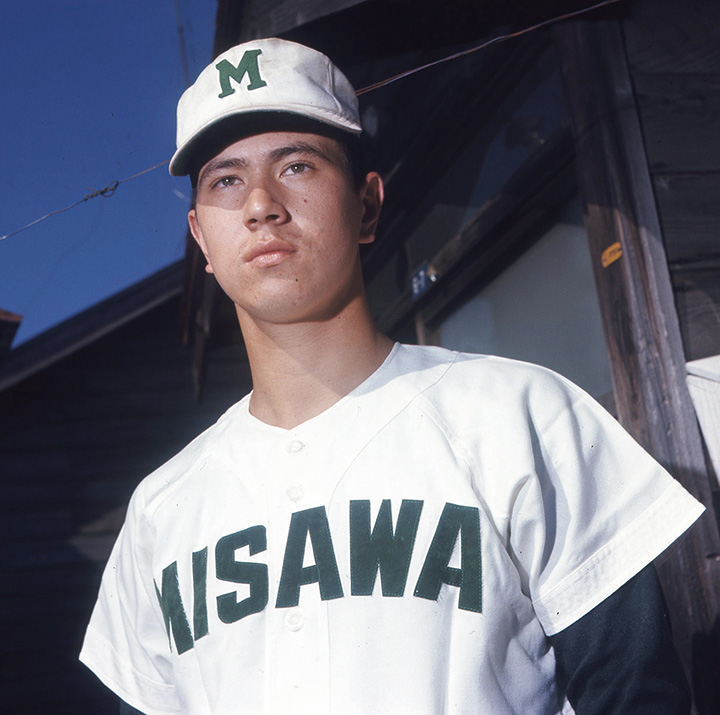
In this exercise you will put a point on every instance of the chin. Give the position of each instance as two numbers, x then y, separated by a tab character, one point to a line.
280	312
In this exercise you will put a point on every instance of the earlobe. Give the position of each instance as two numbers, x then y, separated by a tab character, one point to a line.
372	195
196	231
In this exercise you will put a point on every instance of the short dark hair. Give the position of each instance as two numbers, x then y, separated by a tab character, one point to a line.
235	128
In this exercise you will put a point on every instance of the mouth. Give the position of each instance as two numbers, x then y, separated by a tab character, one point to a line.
269	253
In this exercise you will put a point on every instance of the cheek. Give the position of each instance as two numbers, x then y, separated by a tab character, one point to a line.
217	226
336	219
214	219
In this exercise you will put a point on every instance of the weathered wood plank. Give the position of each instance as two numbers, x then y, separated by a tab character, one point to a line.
640	322
667	36
74	441
689	208
268	18
54	522
680	117
31	697
697	296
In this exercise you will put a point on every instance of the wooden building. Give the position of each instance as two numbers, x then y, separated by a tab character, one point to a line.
86	410
550	197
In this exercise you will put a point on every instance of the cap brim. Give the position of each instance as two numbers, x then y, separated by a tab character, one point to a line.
210	139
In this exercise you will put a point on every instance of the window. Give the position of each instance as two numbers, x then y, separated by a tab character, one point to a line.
543	308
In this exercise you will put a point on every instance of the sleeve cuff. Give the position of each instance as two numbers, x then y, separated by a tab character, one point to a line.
627	554
134	688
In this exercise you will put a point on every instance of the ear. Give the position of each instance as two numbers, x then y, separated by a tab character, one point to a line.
197	233
372	195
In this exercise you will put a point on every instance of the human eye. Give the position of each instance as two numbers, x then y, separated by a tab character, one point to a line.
225	182
297	167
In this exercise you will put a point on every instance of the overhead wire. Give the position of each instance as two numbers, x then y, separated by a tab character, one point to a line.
110	189
482	46
106	191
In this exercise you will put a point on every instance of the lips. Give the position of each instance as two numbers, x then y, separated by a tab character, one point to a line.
270	252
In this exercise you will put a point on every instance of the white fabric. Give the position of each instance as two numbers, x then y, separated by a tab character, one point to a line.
569	509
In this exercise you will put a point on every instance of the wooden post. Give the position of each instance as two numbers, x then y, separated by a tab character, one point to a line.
640	323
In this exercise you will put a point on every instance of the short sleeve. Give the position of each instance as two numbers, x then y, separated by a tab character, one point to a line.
595	510
126	643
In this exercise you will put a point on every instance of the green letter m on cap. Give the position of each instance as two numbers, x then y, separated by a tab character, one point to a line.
248	66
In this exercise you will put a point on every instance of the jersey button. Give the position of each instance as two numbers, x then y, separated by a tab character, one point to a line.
296	492
294	620
295	446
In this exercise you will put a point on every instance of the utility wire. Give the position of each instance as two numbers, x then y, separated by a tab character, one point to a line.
106	191
482	46
109	190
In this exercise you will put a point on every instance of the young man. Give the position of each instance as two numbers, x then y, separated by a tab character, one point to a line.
376	528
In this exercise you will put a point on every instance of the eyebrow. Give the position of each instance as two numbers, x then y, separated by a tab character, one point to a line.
300	148
218	165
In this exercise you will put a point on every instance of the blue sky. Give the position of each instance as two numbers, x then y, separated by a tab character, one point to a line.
89	90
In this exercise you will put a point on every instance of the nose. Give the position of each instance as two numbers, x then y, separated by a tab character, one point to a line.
263	207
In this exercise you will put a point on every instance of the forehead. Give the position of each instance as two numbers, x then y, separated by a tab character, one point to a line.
270	146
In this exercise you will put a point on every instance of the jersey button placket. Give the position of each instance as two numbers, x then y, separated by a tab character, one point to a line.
294	446
294	620
298	682
295	490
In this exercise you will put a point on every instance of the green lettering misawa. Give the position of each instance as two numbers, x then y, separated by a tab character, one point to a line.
382	549
256	575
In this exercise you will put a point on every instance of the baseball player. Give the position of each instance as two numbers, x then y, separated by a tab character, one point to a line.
377	527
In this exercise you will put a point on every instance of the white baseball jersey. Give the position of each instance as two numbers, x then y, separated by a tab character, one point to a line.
406	551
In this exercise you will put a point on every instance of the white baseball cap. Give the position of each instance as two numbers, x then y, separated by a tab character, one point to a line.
270	75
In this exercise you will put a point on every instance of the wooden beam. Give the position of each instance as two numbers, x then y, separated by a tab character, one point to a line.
640	322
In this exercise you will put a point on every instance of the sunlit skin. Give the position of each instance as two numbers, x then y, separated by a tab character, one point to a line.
280	223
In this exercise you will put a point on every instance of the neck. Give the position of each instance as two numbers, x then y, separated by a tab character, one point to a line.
299	370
